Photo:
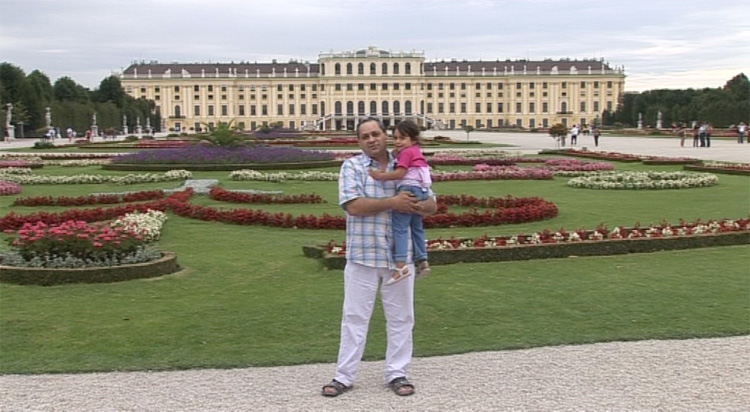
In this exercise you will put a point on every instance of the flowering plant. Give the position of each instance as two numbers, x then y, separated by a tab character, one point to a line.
601	233
93	199
644	180
77	239
9	188
727	165
223	195
23	177
486	172
248	174
147	224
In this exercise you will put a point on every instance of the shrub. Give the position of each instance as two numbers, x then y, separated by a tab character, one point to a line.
43	145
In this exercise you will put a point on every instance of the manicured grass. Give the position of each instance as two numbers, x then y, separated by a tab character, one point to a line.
247	295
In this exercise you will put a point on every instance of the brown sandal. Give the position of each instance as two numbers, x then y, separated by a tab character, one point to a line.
338	388
398	384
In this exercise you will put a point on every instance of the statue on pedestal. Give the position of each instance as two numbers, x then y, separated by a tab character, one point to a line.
124	124
10	132
658	120
640	120
94	127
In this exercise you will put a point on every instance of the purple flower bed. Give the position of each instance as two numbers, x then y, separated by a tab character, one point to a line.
223	155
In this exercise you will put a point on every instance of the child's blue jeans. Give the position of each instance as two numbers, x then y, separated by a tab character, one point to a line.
402	222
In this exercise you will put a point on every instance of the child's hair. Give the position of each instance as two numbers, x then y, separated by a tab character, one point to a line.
409	128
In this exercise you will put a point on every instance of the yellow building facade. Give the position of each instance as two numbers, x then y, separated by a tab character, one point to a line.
343	87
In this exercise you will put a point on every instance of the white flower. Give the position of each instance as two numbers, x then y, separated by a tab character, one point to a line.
146	224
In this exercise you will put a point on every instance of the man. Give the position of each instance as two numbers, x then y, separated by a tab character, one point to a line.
368	203
741	133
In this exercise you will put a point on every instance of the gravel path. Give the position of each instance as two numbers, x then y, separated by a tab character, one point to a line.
676	375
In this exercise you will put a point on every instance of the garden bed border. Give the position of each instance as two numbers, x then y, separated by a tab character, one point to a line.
556	250
222	167
48	277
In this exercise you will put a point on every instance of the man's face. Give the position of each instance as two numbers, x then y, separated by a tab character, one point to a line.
372	140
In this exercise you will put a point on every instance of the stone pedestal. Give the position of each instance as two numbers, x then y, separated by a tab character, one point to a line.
94	131
10	133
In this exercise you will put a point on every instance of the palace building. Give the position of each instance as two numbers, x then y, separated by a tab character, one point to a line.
343	87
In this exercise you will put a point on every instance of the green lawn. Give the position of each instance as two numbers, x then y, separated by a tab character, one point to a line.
247	296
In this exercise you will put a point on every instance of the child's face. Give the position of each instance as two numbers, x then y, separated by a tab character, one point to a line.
402	142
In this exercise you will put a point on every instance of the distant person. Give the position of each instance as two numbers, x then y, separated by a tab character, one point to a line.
741	130
709	132
574	135
683	133
702	130
696	135
595	131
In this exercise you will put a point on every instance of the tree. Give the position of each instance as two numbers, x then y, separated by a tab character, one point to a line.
223	135
468	129
110	90
11	79
67	90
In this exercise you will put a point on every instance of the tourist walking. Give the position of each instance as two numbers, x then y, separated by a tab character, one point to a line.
597	133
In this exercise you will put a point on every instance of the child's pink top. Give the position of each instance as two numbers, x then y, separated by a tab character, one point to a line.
417	169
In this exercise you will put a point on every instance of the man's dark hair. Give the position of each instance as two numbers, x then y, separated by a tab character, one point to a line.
371	119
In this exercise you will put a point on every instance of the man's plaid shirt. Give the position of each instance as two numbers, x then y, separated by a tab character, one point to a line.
368	239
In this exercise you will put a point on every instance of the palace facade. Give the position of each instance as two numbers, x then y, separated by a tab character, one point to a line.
341	88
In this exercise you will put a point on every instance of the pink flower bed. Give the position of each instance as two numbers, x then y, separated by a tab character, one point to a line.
487	172
17	163
9	188
575	165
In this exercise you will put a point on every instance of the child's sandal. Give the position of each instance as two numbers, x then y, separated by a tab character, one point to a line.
398	275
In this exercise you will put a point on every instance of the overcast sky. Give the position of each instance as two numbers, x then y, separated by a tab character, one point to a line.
660	43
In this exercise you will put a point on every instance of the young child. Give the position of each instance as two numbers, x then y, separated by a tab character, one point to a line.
413	175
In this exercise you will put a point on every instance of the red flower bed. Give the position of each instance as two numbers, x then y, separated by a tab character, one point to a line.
222	195
506	210
103	199
622	157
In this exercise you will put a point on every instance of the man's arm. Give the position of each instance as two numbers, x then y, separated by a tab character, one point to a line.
403	202
397	174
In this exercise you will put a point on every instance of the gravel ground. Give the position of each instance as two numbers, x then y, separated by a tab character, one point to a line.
672	375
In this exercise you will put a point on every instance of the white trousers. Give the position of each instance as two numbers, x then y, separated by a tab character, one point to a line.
360	289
